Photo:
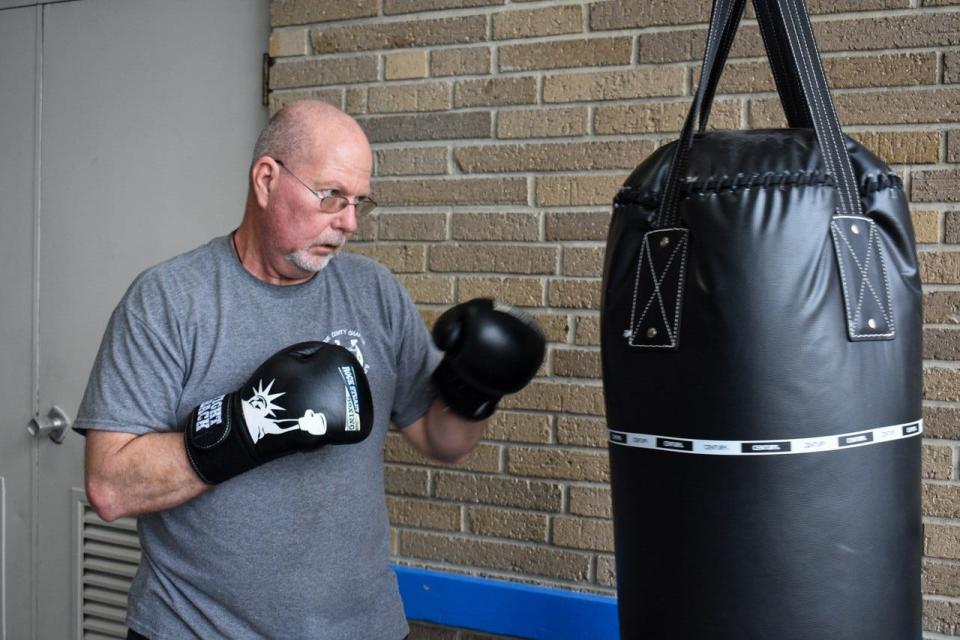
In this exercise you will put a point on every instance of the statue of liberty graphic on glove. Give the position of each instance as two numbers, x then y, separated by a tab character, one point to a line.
301	398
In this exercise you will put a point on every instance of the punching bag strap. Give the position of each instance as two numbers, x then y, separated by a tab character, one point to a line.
791	97
806	97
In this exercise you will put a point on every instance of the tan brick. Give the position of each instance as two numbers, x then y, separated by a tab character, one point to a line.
926	226
366	229
429	289
574	294
876	107
941	541
941	500
522	292
558	464
460	61
304	73
941	422
431	126
937	462
555	326
942	307
897	31
941	578
623	14
936	185
471	191
398	35
485	457
512	426
527	259
404	65
951	227
583	533
576	363
503	523
399	258
411	161
586	52
657	117
495	92
838	6
940	383
406	482
902	147
940	267
606	571
431	96
844	35
552	396
582	261
356	100
530	23
681	45
953	145
578	190
883	70
279	99
506	556
558	156
582	432
410	6
941	344
951	67
587	330
284	12
580	225
941	616
542	123
413	226
590	500
288	42
495	226
503	492
643	82
423	514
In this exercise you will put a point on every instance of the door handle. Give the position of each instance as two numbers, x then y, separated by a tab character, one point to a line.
54	424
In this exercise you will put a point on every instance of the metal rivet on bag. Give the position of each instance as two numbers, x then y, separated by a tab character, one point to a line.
872	323
651	332
855	229
664	242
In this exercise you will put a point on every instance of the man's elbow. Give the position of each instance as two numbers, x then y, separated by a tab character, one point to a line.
104	498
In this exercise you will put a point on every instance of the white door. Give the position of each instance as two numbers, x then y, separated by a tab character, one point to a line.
147	115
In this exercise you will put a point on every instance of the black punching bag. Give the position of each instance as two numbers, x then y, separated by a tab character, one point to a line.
761	323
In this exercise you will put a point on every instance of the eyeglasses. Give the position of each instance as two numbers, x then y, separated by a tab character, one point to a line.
331	203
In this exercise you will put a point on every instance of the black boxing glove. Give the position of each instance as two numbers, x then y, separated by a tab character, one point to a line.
491	350
302	397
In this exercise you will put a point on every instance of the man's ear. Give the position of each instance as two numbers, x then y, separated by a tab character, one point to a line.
263	179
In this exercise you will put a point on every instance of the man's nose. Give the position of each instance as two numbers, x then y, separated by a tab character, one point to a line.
346	219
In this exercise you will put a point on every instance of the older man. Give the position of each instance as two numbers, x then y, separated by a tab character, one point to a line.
290	541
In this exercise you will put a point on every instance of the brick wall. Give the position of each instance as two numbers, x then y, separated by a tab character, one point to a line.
501	131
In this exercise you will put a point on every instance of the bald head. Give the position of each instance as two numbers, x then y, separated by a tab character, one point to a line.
301	131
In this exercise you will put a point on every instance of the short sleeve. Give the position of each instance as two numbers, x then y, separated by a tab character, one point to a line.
417	357
138	373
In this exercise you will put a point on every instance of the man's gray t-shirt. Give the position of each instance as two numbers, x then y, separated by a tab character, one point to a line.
296	548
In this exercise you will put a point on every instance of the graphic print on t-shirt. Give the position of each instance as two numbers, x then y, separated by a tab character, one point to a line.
351	340
258	413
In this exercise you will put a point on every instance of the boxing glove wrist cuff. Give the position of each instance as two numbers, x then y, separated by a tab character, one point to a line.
464	399
217	444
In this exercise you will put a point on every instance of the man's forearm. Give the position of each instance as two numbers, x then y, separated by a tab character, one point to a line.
130	475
